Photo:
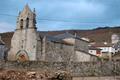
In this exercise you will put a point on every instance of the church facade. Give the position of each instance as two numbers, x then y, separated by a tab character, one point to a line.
24	40
28	44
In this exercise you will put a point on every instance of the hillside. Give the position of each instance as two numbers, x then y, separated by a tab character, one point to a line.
97	35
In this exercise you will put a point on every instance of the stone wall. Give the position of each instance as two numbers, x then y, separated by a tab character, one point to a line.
97	78
58	52
84	57
2	52
76	69
81	45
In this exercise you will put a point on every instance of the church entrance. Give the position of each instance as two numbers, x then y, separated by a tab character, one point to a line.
22	56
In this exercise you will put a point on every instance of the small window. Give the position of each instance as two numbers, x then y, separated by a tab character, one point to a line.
21	24
27	22
91	51
22	46
22	41
34	46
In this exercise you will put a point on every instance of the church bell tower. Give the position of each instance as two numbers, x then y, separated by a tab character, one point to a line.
24	40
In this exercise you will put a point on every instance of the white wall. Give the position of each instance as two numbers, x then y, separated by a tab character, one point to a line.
92	52
107	49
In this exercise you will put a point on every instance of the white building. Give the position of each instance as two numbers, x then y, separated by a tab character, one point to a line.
115	38
106	49
95	51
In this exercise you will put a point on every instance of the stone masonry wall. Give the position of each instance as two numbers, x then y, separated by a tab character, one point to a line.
58	52
76	69
81	45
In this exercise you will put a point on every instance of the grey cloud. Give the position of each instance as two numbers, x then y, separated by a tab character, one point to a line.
79	13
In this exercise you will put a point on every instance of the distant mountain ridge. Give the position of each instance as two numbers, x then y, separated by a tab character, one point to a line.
100	34
107	27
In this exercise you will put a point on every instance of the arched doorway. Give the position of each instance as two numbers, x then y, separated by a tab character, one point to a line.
22	56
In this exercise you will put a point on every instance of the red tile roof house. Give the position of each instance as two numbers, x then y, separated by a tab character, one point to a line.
106	49
95	51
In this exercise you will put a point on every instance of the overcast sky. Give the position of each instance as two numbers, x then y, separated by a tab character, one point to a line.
62	14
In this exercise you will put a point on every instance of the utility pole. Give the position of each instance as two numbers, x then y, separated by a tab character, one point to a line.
109	47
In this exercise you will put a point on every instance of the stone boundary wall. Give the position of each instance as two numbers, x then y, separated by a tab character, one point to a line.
97	78
80	69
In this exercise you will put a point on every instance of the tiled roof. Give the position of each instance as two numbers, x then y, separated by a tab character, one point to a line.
57	40
68	35
53	38
65	35
93	48
102	45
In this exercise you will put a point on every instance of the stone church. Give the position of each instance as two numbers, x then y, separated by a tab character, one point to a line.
29	44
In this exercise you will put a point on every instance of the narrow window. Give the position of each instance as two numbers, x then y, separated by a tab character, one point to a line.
21	46
34	46
27	22
21	24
